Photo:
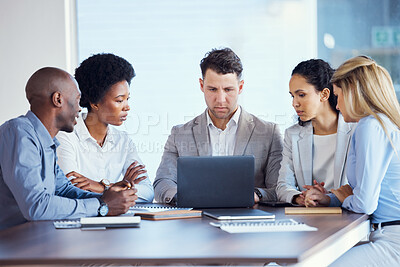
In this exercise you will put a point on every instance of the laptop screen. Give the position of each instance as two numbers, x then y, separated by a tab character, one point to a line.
216	182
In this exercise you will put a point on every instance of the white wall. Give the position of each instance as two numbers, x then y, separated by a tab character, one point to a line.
33	34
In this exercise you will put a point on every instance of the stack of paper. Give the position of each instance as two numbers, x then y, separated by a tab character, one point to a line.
287	225
99	222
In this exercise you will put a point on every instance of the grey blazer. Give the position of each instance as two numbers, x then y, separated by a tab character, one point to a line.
254	137
296	166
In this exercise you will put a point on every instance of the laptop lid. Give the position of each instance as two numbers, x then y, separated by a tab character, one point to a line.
216	182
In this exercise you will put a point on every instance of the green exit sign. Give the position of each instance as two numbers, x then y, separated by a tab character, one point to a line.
385	36
396	36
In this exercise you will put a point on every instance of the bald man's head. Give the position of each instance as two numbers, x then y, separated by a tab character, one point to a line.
45	82
54	97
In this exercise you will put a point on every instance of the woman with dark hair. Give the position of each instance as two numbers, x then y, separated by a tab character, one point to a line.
95	155
315	148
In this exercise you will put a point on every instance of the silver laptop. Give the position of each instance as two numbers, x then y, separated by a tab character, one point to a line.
216	182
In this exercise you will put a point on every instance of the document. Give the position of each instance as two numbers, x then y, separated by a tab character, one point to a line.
99	222
286	225
238	214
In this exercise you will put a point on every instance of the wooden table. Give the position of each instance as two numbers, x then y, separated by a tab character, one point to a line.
183	241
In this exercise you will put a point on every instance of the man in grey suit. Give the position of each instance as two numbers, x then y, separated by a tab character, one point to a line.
224	129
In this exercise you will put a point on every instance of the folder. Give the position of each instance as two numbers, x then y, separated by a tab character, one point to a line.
313	210
169	214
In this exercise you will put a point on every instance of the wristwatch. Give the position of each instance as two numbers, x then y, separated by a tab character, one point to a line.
106	183
258	193
103	209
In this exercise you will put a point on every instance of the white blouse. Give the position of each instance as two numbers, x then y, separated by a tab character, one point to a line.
324	147
79	151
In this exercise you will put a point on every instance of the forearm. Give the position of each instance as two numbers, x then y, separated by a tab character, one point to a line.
51	207
285	190
164	189
145	191
269	194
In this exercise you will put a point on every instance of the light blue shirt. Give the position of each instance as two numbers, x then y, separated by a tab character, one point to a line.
32	186
373	171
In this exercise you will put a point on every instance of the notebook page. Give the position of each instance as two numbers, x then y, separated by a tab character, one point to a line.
287	225
152	207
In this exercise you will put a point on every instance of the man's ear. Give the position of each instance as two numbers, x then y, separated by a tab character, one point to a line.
241	83
57	99
201	84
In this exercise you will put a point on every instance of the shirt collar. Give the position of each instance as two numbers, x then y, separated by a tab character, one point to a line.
233	121
83	133
43	134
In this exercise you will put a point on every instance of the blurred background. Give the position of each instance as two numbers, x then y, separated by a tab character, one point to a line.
166	39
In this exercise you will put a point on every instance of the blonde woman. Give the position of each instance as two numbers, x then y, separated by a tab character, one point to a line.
365	94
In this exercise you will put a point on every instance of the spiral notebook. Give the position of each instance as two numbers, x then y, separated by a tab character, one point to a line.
286	225
155	212
152	207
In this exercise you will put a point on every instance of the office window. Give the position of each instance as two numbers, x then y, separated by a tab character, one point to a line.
348	28
165	41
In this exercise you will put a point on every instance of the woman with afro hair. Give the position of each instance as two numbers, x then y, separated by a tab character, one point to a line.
95	155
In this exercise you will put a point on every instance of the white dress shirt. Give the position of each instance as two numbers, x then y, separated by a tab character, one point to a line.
80	152
222	142
324	147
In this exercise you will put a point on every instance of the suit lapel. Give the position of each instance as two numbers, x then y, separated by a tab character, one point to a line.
305	152
244	131
201	136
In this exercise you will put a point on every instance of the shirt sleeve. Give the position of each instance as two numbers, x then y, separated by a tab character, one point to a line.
34	186
335	202
287	184
369	158
165	183
272	167
145	191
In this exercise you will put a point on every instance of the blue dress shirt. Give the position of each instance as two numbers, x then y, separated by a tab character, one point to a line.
373	171
32	186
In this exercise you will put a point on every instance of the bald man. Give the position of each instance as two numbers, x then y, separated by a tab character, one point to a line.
32	186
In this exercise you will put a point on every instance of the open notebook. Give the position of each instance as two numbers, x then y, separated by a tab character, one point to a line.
157	212
238	214
285	225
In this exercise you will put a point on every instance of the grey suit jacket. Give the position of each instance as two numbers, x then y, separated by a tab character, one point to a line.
296	166
254	137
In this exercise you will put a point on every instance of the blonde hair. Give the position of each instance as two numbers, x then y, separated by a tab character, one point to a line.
368	90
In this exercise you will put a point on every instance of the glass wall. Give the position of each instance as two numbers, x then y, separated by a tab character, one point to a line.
166	39
348	28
